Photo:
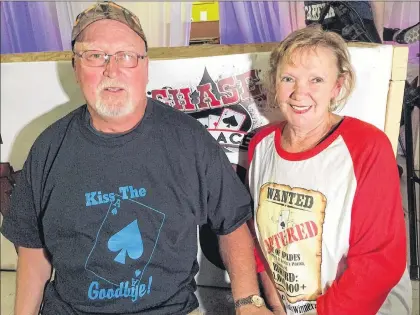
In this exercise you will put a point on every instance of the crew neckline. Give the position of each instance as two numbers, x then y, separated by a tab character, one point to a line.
116	139
300	156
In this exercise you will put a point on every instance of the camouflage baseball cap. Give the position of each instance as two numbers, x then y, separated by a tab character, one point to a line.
106	10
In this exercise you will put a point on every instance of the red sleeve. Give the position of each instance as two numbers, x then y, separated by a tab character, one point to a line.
260	135
377	247
259	261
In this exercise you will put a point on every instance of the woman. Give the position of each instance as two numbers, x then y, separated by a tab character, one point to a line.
328	212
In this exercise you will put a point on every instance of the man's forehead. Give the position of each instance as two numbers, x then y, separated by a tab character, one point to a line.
110	35
104	45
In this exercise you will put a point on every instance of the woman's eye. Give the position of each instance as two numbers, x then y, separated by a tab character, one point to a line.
317	80
286	79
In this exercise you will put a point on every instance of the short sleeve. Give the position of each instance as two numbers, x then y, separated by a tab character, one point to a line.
21	224
228	201
259	260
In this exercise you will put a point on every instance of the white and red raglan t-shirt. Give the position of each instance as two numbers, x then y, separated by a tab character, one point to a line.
330	222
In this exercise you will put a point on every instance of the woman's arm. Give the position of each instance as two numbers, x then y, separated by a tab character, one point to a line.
377	257
33	272
271	294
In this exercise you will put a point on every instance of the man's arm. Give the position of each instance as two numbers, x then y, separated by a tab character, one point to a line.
378	10
33	272
237	251
227	209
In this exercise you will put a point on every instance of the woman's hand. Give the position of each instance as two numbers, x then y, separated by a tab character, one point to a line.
271	294
279	310
253	310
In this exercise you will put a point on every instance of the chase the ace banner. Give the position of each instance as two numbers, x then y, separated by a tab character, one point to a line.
224	93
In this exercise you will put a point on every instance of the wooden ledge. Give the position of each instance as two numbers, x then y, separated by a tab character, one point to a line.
164	52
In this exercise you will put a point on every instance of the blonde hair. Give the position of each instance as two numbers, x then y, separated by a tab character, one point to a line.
312	37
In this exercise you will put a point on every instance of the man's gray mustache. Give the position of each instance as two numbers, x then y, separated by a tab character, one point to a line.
104	86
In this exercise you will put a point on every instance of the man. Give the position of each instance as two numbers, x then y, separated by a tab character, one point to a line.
111	195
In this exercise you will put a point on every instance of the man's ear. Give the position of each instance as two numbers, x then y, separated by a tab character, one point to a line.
147	69
75	70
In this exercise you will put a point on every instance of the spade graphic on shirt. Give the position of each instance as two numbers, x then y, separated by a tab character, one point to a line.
127	241
117	205
284	220
230	121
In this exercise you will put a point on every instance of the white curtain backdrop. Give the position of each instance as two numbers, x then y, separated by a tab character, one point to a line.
66	14
292	16
166	24
401	13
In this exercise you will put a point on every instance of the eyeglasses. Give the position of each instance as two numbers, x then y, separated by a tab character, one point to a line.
97	58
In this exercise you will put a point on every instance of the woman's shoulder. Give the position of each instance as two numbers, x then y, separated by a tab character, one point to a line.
359	134
359	127
264	131
259	134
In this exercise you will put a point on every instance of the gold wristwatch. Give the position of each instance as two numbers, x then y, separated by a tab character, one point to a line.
255	300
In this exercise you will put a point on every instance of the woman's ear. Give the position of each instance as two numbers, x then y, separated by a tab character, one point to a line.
338	86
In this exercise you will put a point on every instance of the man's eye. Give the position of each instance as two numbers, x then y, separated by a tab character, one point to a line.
317	80
127	56
94	56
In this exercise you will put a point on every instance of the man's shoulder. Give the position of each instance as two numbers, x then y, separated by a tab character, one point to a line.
181	128
174	118
58	128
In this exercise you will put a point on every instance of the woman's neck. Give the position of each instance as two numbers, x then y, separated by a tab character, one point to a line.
296	139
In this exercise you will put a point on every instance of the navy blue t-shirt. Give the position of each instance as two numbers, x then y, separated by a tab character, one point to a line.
118	215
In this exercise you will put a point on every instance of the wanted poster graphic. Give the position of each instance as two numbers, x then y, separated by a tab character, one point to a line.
290	223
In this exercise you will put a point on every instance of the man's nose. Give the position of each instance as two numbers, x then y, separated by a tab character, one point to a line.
111	68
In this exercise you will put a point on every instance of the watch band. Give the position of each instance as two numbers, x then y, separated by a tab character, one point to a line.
256	300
